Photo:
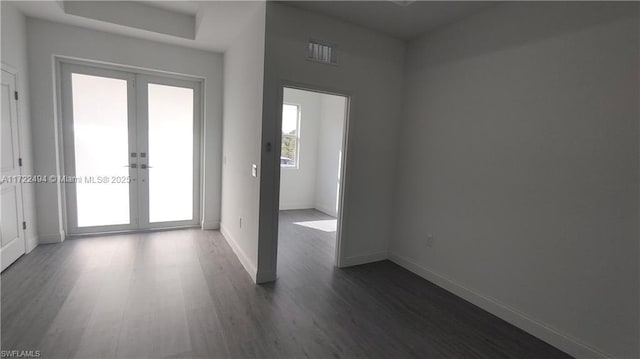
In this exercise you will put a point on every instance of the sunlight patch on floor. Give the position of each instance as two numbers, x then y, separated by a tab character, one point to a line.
329	225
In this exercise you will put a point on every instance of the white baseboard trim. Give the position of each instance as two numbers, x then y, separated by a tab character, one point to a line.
363	259
326	210
317	207
32	243
562	341
262	277
209	225
291	206
242	256
52	238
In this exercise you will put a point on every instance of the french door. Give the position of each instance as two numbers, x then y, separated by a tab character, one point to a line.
131	150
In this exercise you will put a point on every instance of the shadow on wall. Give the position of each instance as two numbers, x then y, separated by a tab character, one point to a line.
488	33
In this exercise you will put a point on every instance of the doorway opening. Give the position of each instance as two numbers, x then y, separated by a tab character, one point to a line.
131	150
312	167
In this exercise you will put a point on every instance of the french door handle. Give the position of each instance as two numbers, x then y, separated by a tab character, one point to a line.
144	167
133	165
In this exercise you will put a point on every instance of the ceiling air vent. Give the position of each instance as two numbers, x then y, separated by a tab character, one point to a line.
403	2
321	52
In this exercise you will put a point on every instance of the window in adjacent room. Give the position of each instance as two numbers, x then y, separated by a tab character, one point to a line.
290	135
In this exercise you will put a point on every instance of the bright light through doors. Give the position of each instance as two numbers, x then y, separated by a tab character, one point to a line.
100	125
170	153
132	149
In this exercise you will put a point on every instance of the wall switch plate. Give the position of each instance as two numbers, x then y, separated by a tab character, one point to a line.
254	170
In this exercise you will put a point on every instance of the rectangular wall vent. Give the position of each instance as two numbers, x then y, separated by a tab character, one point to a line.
321	52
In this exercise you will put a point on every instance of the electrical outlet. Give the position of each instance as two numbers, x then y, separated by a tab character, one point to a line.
429	240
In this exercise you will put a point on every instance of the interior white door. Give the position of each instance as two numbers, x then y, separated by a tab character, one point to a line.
12	233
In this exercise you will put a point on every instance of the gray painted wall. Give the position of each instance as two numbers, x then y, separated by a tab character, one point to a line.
243	79
46	39
14	54
519	154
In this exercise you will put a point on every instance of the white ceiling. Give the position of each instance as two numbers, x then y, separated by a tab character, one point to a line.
217	22
402	19
185	7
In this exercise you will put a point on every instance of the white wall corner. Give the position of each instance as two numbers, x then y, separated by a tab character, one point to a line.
31	243
52	238
291	206
242	256
364	259
210	224
326	210
562	341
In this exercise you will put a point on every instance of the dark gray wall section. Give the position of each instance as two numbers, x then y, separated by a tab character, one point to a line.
519	153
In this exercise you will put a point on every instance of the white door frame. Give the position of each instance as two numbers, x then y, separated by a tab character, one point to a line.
135	78
14	250
346	137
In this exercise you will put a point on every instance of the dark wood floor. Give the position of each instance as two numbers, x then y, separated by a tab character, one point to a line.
183	294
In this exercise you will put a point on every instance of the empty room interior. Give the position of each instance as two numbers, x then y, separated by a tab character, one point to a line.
310	171
323	179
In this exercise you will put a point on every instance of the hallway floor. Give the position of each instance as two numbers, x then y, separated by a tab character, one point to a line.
184	294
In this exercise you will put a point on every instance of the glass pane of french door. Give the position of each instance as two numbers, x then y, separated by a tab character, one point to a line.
171	151
101	150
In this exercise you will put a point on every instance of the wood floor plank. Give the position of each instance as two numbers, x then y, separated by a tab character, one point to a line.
184	294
